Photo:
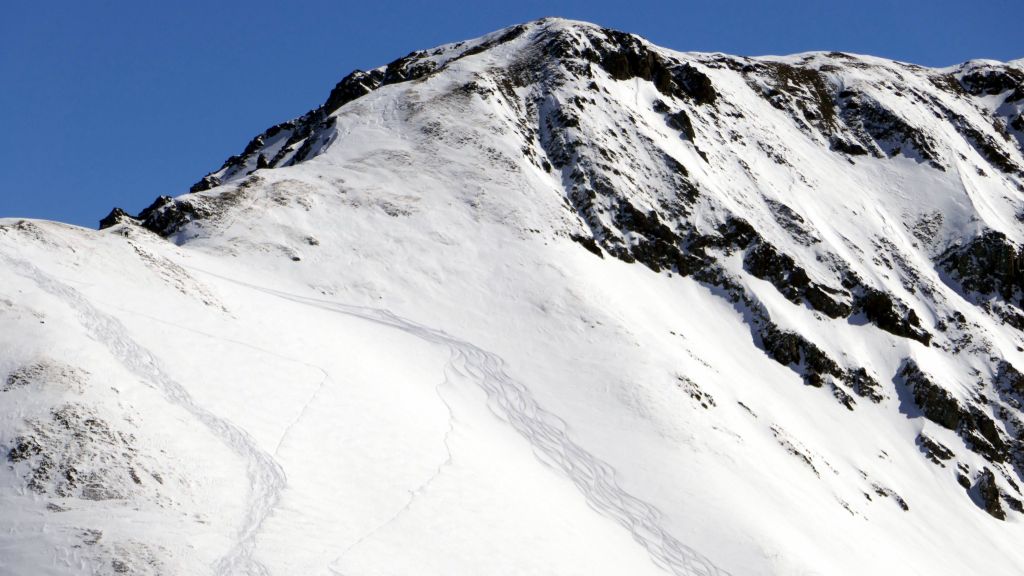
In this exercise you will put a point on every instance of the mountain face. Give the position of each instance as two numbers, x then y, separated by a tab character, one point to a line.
550	301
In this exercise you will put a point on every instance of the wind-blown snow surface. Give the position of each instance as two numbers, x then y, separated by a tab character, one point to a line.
553	301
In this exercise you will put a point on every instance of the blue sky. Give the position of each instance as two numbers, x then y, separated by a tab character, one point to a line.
113	102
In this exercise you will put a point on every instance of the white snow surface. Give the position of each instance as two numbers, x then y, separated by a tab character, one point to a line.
391	358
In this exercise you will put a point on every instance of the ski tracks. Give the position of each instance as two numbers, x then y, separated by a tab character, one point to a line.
418	490
266	477
546	432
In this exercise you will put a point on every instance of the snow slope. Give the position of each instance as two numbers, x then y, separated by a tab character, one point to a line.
551	301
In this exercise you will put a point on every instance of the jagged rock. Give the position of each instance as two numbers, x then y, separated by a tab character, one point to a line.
795	224
695	84
1009	383
804	92
864	385
935	451
116	216
937	404
882	310
988	264
588	243
207	182
166	215
991	82
884	131
1014	504
1018	122
357	84
624	56
681	121
985	145
792	349
846	147
979	431
989	492
765	262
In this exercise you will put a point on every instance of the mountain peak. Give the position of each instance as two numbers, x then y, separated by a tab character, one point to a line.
646	311
819	90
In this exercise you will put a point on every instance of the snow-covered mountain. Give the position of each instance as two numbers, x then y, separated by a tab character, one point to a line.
550	301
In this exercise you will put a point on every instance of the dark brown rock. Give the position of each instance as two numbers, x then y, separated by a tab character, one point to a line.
988	490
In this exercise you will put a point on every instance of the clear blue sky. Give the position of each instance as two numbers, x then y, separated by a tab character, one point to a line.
114	102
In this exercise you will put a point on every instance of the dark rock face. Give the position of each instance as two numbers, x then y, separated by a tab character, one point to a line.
989	264
1018	122
1009	383
166	215
765	262
934	450
864	385
987	146
116	216
989	493
815	366
681	122
792	349
625	56
695	84
1009	386
884	131
1002	446
846	147
937	404
882	310
804	91
993	82
205	183
302	132
589	244
357	84
977	429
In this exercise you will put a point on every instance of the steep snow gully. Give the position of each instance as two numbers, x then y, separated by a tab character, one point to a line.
266	477
547	433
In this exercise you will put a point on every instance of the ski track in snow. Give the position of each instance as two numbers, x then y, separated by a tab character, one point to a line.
414	493
546	432
325	377
266	477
